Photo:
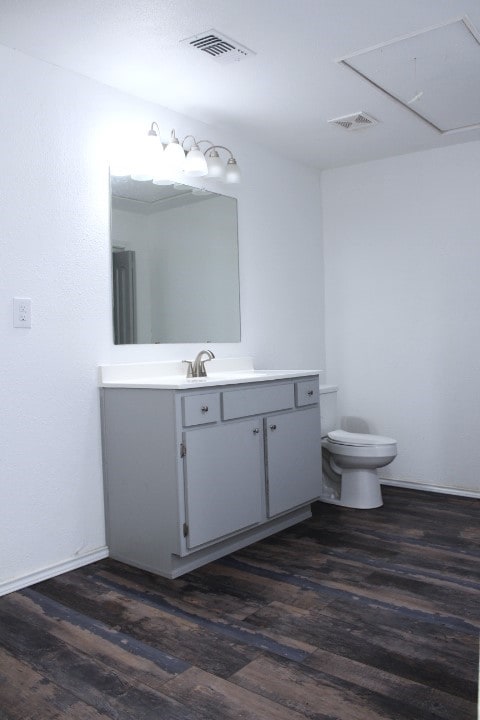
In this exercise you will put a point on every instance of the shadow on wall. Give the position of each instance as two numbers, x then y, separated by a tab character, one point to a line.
355	424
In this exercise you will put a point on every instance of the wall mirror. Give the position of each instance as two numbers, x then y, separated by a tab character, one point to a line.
175	264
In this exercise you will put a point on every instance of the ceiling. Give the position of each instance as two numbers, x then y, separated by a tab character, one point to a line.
283	94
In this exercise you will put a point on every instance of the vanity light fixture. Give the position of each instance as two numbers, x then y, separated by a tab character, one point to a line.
164	165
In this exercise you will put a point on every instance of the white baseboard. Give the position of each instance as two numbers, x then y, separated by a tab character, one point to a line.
53	570
430	488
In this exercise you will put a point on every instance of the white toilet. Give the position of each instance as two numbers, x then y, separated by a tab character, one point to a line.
350	460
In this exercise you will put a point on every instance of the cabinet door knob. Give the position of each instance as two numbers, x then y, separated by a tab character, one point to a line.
273	427
204	408
310	393
256	431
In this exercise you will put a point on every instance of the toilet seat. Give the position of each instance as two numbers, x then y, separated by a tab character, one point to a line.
342	437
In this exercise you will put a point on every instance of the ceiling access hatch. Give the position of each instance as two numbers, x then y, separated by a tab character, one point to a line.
434	73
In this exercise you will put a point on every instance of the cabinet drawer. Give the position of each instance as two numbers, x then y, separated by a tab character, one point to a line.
306	392
256	401
201	409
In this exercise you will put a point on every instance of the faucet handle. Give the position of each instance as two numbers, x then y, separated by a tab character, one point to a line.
189	368
202	369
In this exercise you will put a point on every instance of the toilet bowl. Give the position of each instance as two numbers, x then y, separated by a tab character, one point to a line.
354	459
350	460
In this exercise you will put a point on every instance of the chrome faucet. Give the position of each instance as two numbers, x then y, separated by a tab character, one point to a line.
197	367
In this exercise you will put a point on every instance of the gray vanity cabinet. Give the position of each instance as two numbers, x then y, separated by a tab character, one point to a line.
193	474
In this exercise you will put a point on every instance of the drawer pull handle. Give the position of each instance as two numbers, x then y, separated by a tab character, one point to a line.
204	408
273	427
256	431
310	393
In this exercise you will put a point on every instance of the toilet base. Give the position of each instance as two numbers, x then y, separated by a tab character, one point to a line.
360	489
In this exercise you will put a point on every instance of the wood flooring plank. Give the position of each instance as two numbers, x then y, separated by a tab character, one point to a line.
261	586
368	541
219	699
316	691
370	547
106	691
216	578
430	564
150	607
394	542
420	699
196	589
107	646
407	649
216	621
333	578
380	570
180	637
26	694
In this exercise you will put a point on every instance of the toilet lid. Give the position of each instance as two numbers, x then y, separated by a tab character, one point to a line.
342	437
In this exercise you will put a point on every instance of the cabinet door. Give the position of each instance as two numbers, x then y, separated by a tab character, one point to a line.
294	464
224	480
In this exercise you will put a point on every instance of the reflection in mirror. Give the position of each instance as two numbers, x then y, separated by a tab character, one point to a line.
175	264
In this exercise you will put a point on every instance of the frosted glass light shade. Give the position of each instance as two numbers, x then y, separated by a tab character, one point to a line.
232	172
147	157
195	163
174	156
216	166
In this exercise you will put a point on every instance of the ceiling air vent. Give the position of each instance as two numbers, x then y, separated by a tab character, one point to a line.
355	121
218	46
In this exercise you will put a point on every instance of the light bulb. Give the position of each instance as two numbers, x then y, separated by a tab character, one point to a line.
162	174
232	173
195	163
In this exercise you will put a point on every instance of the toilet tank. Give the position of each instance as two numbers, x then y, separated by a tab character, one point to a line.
328	408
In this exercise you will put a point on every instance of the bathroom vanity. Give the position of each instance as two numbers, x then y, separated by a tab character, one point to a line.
196	468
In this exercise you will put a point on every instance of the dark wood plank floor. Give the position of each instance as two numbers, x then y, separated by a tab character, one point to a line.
354	615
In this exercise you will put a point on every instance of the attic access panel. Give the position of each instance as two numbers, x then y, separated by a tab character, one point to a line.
434	73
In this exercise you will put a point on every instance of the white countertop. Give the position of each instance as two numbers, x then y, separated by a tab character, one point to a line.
172	375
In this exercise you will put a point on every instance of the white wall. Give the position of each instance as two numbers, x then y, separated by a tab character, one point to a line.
402	264
54	238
